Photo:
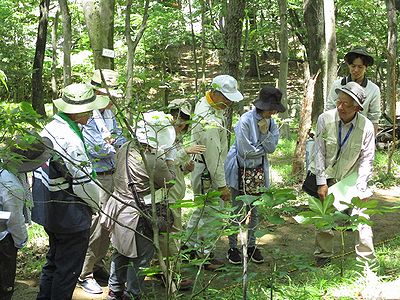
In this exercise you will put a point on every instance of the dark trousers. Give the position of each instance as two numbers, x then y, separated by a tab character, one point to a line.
8	264
64	264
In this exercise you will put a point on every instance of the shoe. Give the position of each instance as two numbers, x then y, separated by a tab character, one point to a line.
90	285
214	264
255	255
188	255
185	285
233	256
322	261
101	275
121	296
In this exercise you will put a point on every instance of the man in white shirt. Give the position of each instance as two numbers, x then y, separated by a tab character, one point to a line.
344	144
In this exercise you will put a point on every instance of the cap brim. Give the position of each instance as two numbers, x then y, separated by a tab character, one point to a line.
99	103
163	139
114	93
234	97
27	166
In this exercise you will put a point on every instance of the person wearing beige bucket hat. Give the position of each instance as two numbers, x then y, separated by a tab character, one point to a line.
133	249
65	193
358	60
14	195
344	147
103	137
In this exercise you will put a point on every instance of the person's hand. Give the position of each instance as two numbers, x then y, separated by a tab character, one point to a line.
263	125
195	149
189	166
225	193
322	191
109	140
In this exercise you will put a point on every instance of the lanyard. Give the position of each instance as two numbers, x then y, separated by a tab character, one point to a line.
340	142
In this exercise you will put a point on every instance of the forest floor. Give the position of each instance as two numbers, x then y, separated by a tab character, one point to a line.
283	244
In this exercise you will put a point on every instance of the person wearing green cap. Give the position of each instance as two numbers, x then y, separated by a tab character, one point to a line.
358	60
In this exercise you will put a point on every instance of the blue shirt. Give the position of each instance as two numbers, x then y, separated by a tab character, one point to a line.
102	153
12	198
250	147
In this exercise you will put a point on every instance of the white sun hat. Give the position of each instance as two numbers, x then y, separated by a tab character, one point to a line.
155	130
79	98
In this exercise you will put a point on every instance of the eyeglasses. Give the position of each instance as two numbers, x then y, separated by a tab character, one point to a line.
344	104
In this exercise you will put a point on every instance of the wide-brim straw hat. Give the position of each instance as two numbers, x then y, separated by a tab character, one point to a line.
111	80
156	130
182	105
79	98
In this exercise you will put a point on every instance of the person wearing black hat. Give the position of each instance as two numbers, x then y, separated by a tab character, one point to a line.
14	195
358	60
257	134
344	147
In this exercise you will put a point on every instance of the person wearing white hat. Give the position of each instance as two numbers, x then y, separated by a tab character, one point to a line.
344	145
14	195
209	129
130	235
65	193
102	137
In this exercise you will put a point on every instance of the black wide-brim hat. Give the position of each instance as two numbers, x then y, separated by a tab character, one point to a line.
269	99
361	51
34	155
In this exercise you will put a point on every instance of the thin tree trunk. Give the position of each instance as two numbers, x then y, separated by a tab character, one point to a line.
284	63
391	77
132	45
37	72
54	56
67	34
330	38
304	126
196	66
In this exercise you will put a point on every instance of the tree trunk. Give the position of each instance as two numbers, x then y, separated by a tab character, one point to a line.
284	62
253	61
232	39
330	37
37	73
132	45
315	47
304	127
391	71
99	18
67	33
54	57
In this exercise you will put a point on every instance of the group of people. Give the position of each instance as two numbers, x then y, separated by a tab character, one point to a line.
90	182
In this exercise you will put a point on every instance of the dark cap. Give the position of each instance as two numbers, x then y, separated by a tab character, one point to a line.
369	60
269	99
355	91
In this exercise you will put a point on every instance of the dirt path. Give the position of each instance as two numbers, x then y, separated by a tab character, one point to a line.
283	245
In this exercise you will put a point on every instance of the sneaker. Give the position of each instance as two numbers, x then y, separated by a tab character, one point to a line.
121	296
255	255
322	261
90	285
101	275
234	256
